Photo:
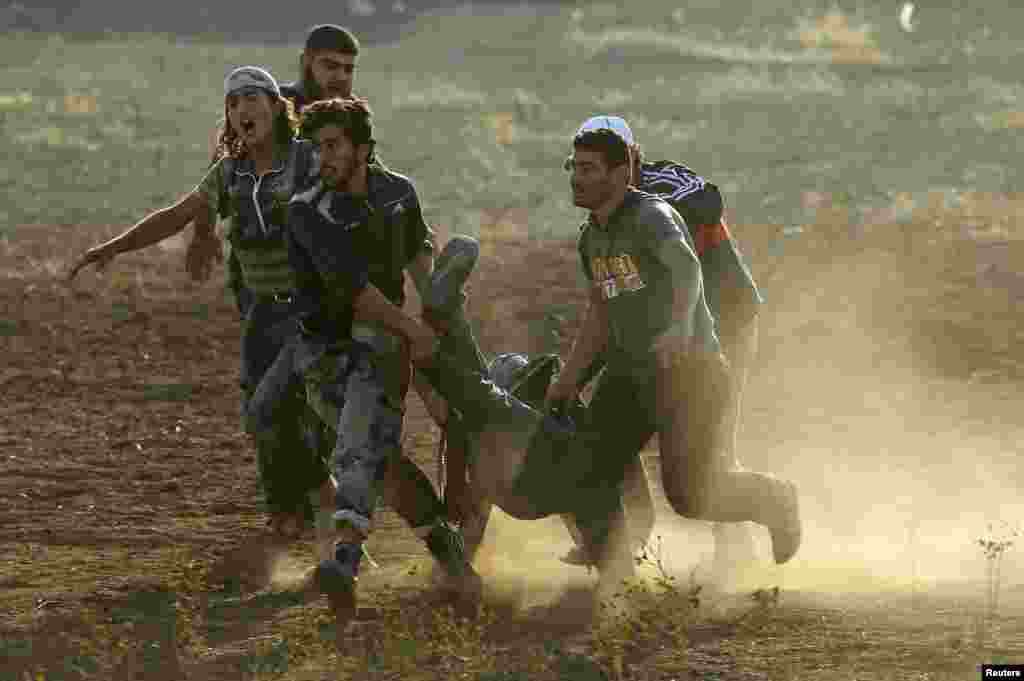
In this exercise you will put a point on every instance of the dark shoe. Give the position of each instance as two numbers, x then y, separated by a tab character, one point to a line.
446	546
451	270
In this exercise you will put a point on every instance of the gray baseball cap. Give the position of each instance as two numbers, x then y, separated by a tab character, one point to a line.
250	76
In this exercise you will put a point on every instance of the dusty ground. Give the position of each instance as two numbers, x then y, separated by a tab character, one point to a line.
123	461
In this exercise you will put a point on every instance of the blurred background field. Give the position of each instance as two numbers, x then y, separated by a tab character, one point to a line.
870	168
770	99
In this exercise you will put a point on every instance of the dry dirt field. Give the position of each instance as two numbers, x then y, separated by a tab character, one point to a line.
132	534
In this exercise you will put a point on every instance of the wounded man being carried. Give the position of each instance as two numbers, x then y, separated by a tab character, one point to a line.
533	462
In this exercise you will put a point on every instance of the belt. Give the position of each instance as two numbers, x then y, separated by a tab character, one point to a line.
282	298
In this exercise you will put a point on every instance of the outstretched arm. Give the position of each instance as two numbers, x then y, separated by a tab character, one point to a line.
152	229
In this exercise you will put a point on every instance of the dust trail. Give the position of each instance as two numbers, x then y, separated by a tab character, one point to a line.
520	561
288	571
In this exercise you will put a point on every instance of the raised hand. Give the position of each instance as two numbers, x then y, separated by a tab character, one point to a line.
203	251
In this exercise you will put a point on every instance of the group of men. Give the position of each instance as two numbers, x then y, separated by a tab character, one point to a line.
323	235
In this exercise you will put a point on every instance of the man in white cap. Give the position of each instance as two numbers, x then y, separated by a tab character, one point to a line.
733	298
643	322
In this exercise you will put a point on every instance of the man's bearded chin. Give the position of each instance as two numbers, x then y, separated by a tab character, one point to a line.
341	181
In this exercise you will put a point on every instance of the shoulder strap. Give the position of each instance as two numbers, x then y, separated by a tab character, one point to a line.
310	195
227	177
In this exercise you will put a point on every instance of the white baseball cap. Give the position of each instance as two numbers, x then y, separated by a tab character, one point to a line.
613	123
250	76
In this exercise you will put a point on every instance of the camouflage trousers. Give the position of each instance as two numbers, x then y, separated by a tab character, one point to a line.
355	392
292	443
359	391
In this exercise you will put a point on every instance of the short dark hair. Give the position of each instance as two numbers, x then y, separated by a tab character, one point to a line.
351	114
332	37
613	149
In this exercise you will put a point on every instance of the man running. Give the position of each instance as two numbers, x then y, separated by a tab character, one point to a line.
533	462
734	301
328	65
354	236
259	164
649	321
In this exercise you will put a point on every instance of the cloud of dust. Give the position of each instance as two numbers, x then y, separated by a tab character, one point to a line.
866	395
520	560
902	463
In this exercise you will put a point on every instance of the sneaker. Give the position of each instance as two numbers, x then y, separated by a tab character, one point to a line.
787	532
451	270
447	547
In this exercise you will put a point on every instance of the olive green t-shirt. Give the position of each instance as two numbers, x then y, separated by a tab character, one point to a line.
625	260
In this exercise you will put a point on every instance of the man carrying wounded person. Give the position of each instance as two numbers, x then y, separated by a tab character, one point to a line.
532	461
733	299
